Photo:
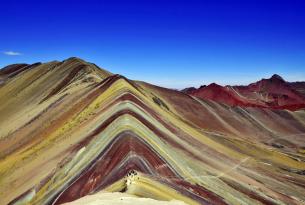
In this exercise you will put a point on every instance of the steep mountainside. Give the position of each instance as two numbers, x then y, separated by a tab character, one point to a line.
274	93
70	130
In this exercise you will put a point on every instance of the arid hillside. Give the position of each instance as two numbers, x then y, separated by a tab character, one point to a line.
73	132
273	93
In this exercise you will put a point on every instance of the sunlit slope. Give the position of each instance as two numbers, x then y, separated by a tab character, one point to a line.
69	129
274	92
267	126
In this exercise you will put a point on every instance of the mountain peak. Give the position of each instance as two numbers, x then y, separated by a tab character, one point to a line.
276	77
72	62
214	85
74	59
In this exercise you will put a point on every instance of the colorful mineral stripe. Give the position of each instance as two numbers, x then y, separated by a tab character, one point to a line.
73	132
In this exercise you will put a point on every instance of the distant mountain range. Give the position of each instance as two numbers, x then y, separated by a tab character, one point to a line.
274	93
71	132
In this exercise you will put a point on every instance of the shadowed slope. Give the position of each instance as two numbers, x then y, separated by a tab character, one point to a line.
78	130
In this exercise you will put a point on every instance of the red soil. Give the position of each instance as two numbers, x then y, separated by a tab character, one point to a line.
273	93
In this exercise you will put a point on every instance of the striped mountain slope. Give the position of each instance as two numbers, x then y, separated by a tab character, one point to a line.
70	129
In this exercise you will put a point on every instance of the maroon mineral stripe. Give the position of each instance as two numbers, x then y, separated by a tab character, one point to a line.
74	110
78	107
130	97
105	164
159	133
19	197
13	70
108	168
298	182
247	192
272	175
65	81
197	190
172	128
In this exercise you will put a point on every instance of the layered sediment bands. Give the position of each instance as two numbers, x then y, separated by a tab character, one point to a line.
70	130
132	155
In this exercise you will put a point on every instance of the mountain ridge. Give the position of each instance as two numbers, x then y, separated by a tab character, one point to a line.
64	137
274	93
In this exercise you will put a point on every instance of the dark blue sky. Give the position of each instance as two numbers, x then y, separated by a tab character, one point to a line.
170	43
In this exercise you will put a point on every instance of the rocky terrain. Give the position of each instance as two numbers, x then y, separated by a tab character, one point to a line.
273	93
71	132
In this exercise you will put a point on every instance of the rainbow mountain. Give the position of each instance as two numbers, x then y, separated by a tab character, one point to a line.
70	131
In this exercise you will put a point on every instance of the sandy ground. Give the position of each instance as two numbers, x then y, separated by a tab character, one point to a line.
105	198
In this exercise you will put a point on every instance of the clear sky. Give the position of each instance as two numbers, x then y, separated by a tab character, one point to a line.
170	43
